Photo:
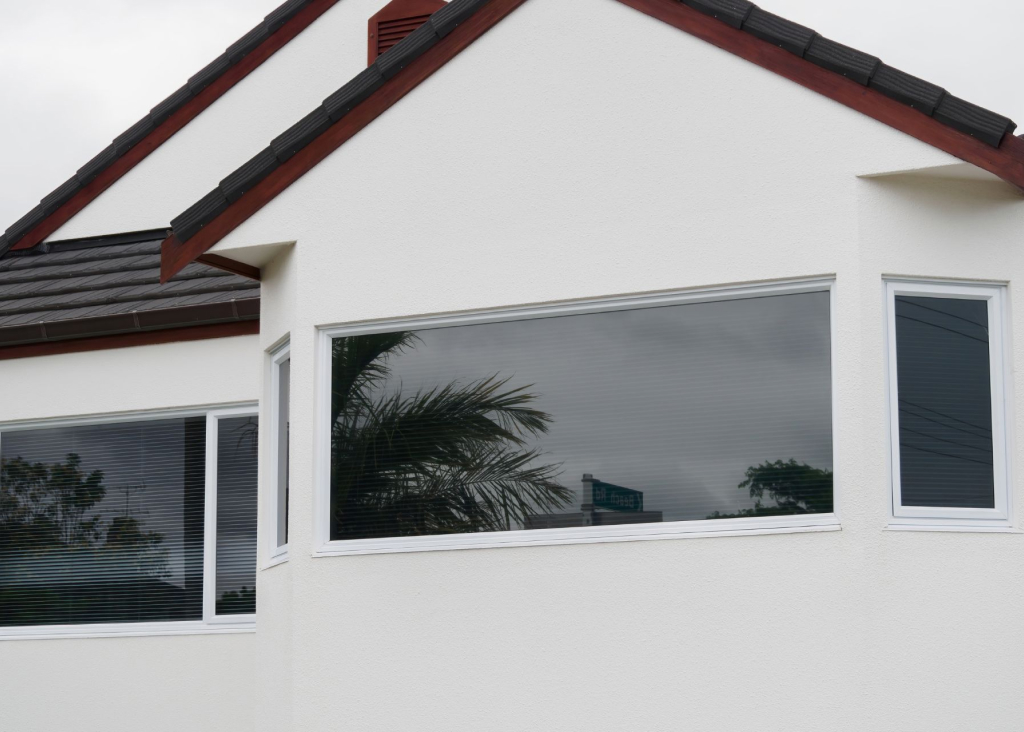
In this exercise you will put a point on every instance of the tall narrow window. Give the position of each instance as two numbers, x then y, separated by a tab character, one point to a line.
109	523
280	385
617	417
946	401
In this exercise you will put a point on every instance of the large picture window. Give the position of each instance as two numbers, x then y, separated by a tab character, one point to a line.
118	522
625	417
946	402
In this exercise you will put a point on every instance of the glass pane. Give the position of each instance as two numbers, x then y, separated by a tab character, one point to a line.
672	413
236	515
102	523
945	402
283	420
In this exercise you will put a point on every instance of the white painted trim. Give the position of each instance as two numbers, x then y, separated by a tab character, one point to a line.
273	553
210	623
210	616
323	546
950	518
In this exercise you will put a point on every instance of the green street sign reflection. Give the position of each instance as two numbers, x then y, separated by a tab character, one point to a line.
616	498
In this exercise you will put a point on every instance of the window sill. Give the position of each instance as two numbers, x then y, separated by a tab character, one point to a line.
955	528
122	630
276	560
587	535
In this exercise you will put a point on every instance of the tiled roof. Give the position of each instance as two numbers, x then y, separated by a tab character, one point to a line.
112	285
131	137
860	67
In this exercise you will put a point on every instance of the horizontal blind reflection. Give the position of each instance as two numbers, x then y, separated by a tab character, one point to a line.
945	402
102	523
237	442
681	412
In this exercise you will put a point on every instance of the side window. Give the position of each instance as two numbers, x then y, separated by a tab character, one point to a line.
125	526
280	385
946	393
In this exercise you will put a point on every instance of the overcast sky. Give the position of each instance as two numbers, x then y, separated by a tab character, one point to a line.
76	73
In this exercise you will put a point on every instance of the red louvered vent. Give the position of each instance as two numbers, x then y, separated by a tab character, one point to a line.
395	21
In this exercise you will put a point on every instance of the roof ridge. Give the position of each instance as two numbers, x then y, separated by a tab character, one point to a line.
256	37
864	69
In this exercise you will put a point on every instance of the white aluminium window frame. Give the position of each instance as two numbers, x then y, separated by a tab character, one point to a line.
211	622
951	518
274	553
323	546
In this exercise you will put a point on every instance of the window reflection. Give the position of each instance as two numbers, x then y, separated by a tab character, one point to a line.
672	413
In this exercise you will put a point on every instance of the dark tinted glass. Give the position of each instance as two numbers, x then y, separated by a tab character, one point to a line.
236	516
283	419
102	523
690	411
945	402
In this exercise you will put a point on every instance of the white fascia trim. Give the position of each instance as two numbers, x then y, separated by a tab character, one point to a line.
324	547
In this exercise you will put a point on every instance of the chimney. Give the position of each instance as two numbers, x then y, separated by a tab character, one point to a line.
395	21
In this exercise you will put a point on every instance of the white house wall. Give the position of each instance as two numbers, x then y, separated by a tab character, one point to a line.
278	93
200	683
582	149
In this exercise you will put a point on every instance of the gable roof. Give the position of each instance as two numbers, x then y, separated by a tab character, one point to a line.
134	144
111	286
858	80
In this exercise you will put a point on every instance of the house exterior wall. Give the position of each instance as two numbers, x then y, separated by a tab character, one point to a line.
627	157
172	683
278	93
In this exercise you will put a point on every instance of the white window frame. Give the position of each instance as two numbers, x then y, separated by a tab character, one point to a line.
323	546
998	518
211	622
273	552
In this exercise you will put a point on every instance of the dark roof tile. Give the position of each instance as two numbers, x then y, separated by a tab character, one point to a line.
21	227
199	214
300	134
282	14
406	50
447	18
907	89
255	170
169	106
61	195
131	137
98	164
974	120
842	59
247	43
365	83
791	36
733	12
209	73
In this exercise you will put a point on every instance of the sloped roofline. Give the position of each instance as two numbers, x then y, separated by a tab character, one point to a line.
130	147
853	78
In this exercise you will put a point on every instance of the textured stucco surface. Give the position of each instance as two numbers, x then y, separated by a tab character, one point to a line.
627	157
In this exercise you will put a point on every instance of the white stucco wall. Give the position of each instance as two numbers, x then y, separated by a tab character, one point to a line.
157	684
281	91
627	157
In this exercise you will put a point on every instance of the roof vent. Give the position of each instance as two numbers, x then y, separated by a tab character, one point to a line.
395	21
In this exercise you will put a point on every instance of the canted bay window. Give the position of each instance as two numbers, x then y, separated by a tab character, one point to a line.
142	524
946	398
627	418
